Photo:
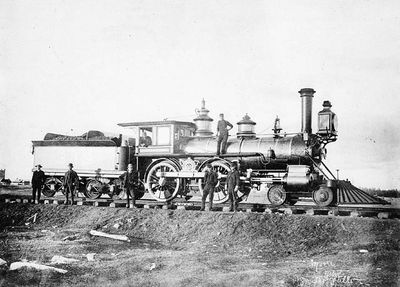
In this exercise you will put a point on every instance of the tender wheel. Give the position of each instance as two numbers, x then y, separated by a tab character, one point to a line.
162	188
276	195
323	196
220	193
51	186
93	189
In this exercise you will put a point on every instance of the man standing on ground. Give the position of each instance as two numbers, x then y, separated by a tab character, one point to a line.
71	183
222	134
37	182
129	182
232	186
210	181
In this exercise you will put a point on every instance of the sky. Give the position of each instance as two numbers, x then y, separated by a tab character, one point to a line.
69	66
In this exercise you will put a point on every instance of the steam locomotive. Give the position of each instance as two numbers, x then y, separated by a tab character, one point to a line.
170	157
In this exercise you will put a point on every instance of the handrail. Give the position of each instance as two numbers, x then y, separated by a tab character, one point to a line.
316	165
328	170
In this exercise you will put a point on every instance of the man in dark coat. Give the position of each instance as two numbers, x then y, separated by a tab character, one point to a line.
232	186
71	183
222	134
144	140
37	181
210	181
130	183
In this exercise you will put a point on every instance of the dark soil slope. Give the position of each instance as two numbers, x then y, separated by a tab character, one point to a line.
276	233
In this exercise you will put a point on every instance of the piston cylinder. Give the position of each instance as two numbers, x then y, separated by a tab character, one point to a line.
298	176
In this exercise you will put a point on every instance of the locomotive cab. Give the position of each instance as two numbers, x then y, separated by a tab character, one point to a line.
159	138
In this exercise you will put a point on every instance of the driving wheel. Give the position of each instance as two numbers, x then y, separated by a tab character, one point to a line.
160	187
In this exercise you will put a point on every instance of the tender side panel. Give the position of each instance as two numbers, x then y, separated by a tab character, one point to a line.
83	157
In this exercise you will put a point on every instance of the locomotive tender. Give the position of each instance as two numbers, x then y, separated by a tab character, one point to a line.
170	157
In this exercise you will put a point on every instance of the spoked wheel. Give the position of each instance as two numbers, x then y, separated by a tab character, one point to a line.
220	193
276	195
51	186
93	189
323	196
162	188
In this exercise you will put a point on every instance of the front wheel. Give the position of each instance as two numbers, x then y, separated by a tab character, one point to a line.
323	196
276	195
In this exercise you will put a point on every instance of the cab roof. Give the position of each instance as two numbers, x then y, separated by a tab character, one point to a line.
157	123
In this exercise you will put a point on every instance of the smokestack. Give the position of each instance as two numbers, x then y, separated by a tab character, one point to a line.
306	95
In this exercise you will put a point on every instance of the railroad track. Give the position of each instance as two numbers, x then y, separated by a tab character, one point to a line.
305	208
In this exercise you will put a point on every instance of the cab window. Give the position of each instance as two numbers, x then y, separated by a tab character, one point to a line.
163	135
145	137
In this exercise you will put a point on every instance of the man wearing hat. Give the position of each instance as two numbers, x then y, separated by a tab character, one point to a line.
232	186
130	184
210	181
222	134
37	181
71	183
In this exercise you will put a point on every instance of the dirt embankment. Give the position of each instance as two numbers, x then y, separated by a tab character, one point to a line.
218	241
275	233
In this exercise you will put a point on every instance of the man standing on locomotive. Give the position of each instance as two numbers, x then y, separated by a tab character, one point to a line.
210	181
232	186
222	134
129	182
37	183
71	183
